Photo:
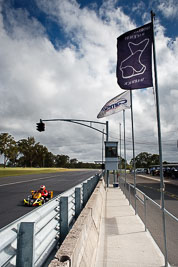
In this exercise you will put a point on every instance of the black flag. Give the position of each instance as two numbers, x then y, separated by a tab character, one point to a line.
134	58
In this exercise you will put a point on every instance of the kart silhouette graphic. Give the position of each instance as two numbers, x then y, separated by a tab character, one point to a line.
132	65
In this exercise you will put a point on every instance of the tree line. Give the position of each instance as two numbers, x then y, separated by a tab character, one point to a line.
145	160
29	153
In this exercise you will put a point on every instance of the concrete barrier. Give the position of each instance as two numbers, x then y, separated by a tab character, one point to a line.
80	245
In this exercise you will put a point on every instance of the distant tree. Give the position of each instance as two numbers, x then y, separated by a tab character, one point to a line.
61	161
122	163
28	153
7	147
41	155
50	160
27	147
13	156
80	164
145	159
73	163
142	160
154	159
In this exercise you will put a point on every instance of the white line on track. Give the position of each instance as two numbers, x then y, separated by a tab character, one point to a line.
151	178
21	182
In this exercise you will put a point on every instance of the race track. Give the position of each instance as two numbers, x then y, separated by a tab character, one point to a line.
15	188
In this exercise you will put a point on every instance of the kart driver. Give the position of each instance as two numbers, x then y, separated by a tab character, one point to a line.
43	191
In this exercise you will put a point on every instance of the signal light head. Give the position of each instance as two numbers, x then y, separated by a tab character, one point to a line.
40	126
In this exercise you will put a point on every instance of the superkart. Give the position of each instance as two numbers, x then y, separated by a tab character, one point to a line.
36	199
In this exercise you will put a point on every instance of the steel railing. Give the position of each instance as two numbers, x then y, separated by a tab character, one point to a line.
32	237
136	196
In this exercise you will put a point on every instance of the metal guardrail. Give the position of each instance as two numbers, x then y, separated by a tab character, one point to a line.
29	240
137	194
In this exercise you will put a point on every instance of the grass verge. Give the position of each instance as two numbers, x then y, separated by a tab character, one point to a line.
25	171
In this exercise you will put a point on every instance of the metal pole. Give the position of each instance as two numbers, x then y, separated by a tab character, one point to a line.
107	139
162	186
133	145
124	143
120	147
107	131
102	145
102	154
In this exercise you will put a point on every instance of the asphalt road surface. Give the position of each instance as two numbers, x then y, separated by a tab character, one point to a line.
15	188
150	186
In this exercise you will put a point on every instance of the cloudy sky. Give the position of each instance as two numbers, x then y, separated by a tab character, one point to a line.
58	60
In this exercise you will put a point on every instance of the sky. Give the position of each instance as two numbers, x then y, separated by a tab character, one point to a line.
58	61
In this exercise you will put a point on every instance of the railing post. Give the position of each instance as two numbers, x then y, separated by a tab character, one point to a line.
77	201
64	227
95	180
93	183
114	175
91	186
145	213
85	193
25	245
129	194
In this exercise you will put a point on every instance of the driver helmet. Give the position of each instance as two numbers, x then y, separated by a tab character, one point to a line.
42	187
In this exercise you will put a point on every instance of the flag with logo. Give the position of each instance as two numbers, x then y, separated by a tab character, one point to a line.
134	58
116	104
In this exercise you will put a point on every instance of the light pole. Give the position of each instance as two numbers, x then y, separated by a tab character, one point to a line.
81	122
86	123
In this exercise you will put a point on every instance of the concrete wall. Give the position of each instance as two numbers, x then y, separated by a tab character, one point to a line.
80	246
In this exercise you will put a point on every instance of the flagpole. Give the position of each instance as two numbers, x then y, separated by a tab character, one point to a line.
107	139
120	148
124	144
162	186
102	154
133	145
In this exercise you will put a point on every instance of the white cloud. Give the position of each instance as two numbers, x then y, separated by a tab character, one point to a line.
75	81
169	8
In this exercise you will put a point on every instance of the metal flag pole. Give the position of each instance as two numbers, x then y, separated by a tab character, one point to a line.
133	145
124	144
162	186
107	139
120	163
102	155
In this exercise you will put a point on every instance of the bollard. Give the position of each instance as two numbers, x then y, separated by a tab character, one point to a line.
25	245
64	226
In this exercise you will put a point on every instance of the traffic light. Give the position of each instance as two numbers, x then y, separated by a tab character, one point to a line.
40	126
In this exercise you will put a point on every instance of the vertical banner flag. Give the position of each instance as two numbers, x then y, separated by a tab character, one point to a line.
115	105
134	58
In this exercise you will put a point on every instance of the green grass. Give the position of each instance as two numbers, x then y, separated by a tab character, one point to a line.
24	171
